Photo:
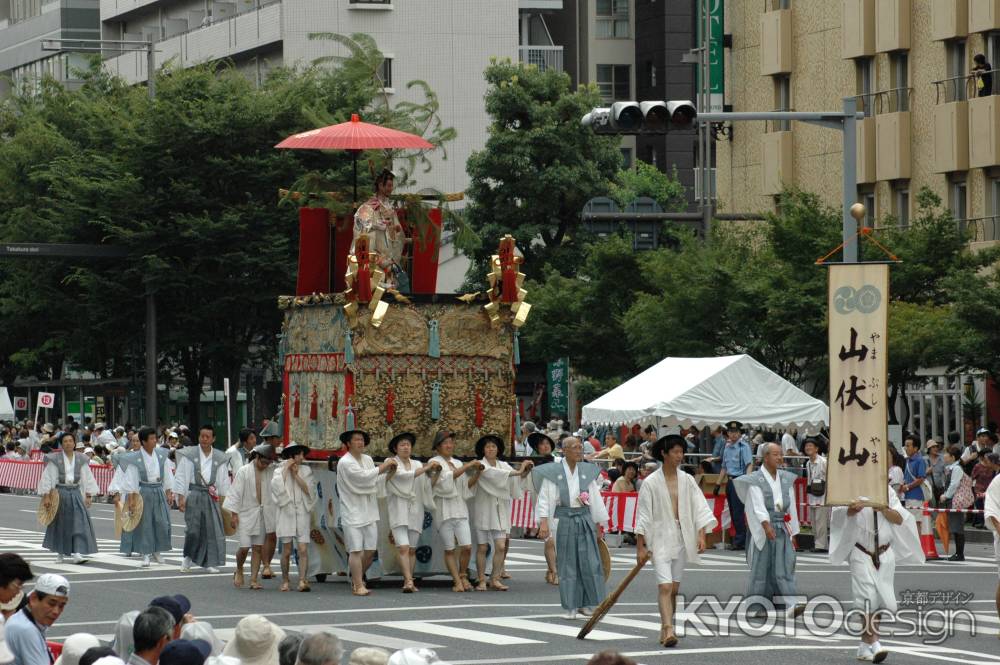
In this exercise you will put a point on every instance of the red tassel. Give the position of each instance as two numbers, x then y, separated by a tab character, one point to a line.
479	409
390	406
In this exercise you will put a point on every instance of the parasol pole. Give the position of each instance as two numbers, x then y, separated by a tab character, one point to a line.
354	155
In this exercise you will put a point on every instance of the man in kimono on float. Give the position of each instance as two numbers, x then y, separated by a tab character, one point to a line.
568	490
873	541
376	218
773	522
671	524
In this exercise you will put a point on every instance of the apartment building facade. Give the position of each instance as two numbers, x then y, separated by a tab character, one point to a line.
23	26
929	121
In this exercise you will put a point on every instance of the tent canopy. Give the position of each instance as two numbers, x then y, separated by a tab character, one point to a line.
6	408
706	392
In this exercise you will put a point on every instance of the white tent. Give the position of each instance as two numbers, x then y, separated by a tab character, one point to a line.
708	392
6	408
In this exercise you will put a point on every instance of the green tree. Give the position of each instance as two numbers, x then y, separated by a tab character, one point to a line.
188	183
538	168
647	180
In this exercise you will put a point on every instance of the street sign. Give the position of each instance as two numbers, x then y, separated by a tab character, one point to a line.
20	403
40	249
716	54
558	383
46	400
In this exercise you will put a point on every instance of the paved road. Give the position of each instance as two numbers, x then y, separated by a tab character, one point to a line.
524	625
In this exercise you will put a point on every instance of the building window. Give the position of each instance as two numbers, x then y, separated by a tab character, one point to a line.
651	69
868	200
899	72
612	19
993	48
865	75
652	155
902	205
780	4
782	101
957	72
957	203
614	82
626	158
385	73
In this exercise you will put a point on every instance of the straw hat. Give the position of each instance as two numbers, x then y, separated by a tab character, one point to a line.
132	512
255	641
75	646
48	507
227	522
605	558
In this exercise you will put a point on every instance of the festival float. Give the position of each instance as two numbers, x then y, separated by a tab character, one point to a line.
359	349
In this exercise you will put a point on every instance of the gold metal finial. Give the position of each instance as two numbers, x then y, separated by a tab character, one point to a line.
858	212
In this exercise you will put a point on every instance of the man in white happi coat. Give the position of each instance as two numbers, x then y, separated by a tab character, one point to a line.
873	541
254	512
992	515
671	524
295	495
200	483
357	487
495	484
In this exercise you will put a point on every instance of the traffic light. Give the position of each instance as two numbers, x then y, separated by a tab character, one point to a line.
642	117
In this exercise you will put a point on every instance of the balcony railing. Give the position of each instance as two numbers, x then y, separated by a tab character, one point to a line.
544	57
980	229
893	100
964	87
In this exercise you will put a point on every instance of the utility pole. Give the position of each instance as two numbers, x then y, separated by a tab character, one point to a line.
99	46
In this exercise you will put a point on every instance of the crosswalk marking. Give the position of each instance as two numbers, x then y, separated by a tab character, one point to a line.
431	628
531	625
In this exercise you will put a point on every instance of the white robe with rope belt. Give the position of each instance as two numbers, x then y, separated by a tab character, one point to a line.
255	517
656	521
874	589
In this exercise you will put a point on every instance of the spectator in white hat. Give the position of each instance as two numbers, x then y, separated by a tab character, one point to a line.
75	646
255	641
413	656
26	628
368	656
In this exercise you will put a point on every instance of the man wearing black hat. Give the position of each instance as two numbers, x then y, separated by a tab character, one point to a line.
737	461
671	524
295	495
357	487
254	512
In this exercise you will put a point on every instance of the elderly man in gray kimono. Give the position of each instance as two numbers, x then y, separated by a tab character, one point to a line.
201	484
773	522
568	490
71	533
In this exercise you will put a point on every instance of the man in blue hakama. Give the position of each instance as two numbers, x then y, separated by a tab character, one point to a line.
773	522
569	494
147	472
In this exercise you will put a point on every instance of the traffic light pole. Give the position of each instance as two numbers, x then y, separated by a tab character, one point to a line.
846	122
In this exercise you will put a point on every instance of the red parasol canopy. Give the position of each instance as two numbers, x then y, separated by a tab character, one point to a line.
354	135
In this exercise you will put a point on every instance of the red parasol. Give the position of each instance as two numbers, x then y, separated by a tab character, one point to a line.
355	136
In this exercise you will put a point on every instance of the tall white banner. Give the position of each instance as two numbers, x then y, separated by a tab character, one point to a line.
858	463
